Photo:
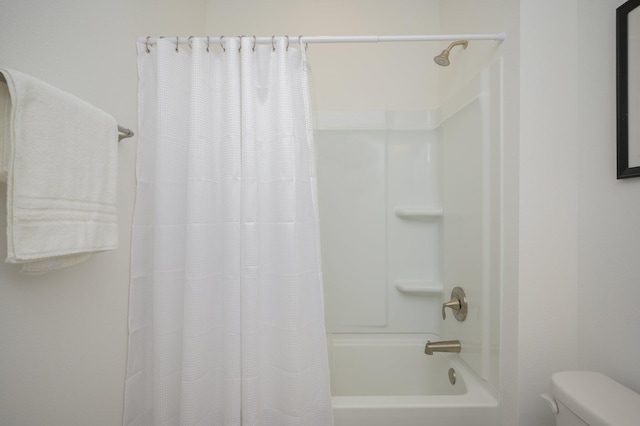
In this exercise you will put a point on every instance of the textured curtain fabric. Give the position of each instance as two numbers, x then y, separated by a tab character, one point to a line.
226	323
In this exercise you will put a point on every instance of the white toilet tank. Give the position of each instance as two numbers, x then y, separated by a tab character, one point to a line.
593	399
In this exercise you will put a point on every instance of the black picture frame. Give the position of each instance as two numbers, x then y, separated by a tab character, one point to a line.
622	90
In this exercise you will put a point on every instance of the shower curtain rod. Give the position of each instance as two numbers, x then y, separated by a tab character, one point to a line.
344	39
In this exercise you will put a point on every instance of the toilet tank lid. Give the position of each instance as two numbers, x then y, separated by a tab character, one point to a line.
596	399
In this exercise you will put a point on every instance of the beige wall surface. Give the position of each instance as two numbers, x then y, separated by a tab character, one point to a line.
608	216
63	335
377	76
571	232
548	205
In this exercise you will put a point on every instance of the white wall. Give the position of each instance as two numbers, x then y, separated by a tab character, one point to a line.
63	335
471	17
378	76
577	243
547	339
608	216
579	230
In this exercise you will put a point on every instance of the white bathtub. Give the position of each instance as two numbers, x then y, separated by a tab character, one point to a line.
389	381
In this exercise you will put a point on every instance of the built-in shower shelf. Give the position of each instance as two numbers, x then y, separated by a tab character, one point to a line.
417	212
418	286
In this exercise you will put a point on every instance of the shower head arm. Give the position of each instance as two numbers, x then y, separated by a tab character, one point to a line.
463	43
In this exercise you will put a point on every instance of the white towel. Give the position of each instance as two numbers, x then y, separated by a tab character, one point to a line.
59	159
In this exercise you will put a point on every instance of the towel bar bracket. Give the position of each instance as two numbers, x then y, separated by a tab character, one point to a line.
124	133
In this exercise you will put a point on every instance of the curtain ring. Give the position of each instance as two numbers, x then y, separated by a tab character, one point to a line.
254	44
240	44
287	48
177	43
306	45
273	43
208	44
146	44
221	44
189	41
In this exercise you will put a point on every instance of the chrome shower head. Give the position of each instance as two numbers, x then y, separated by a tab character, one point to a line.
443	58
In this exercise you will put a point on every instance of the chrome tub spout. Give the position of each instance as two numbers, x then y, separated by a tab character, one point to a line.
446	346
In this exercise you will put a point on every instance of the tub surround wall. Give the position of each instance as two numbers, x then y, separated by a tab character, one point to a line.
472	176
383	210
416	200
353	228
379	187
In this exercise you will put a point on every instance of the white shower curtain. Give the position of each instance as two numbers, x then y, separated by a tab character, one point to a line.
226	323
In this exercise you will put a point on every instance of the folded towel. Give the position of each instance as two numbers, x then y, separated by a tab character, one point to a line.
59	159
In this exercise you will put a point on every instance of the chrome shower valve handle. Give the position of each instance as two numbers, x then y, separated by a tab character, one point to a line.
458	304
454	304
